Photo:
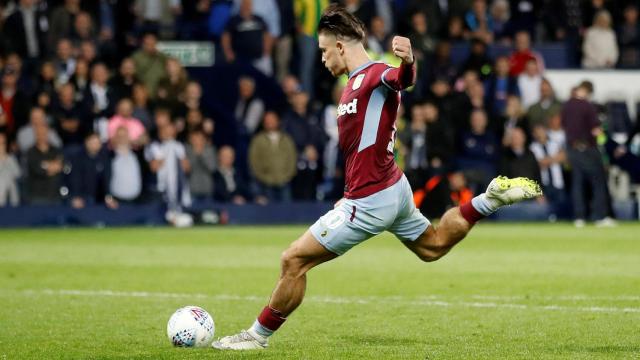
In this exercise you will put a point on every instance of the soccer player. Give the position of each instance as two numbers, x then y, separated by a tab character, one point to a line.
377	195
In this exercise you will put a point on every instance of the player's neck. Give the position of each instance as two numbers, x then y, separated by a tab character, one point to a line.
357	59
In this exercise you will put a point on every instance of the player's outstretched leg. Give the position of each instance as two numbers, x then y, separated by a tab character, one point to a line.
457	222
302	255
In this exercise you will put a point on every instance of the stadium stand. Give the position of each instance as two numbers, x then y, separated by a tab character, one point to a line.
123	86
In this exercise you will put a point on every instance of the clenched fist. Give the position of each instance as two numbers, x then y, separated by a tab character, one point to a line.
402	48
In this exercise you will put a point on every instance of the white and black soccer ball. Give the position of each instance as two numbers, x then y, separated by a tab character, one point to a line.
191	326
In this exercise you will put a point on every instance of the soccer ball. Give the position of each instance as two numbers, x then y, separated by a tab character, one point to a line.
191	326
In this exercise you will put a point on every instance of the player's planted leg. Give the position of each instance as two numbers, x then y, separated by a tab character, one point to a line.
457	222
300	257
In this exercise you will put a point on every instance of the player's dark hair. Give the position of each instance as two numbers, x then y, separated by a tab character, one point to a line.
337	21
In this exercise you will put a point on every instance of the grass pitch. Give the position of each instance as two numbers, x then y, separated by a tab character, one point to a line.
532	291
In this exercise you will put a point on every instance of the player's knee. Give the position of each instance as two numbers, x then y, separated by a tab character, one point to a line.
291	264
432	254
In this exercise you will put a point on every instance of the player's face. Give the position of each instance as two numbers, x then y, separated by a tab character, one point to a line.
330	49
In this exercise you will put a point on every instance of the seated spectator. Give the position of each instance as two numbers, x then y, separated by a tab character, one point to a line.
478	152
46	81
478	60
249	109
44	170
9	174
201	156
246	39
414	138
168	160
529	83
548	106
518	160
500	86
26	137
60	24
88	179
229	186
80	79
123	117
70	118
440	140
523	53
555	131
600	49
272	159
125	171
551	156
629	38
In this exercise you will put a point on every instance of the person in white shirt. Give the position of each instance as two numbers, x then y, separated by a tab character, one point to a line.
529	84
550	156
168	160
600	47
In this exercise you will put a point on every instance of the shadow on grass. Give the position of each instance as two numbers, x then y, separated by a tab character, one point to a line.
601	349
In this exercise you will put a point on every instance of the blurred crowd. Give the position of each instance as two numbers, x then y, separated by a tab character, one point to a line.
91	112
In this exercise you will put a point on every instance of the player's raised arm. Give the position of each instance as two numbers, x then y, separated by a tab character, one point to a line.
404	76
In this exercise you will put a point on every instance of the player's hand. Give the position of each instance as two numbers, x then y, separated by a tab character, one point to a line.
402	48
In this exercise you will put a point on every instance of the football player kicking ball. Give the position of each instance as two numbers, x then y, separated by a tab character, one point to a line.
377	196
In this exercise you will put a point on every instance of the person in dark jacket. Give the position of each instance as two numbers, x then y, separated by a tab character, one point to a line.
228	185
89	177
517	160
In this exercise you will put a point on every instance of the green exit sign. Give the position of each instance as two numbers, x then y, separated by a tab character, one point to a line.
190	53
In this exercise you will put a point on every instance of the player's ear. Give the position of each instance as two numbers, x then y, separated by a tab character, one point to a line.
340	47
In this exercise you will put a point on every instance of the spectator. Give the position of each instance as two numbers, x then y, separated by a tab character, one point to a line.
229	186
422	41
283	48
62	18
123	117
523	53
99	99
46	82
141	106
501	14
478	61
600	48
83	30
456	31
524	15
440	140
441	65
548	106
9	175
26	138
247	40
414	137
518	160
150	63
44	170
377	39
80	79
331	148
249	108
192	23
64	63
500	86
168	160
268	10
125	171
551	156
157	16
202	158
307	14
555	131
529	83
301	125
478	152
629	38
272	158
89	174
514	117
122	83
28	30
14	102
479	21
172	86
70	118
581	125
196	121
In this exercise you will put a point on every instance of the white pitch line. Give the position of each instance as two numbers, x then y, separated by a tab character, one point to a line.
433	300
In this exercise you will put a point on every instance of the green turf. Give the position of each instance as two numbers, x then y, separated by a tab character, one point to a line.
508	291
